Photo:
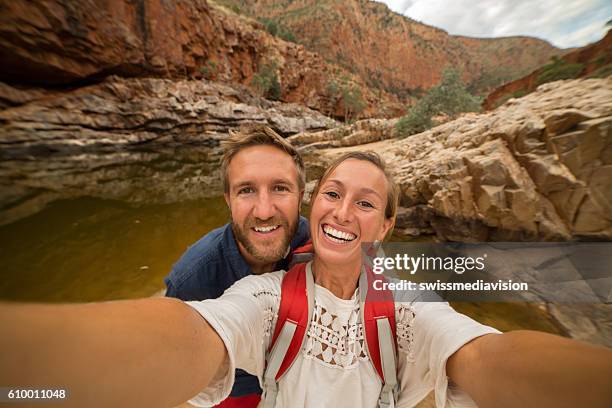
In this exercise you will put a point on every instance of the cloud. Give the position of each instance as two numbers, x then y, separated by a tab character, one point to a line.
568	23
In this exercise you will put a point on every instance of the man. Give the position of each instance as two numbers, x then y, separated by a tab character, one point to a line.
263	181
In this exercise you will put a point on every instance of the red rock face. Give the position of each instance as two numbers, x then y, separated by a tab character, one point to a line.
58	43
594	57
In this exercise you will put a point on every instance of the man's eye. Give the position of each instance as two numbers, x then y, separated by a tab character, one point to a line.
365	204
246	190
281	188
332	194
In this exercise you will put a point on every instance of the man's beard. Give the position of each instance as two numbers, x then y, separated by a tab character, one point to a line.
273	250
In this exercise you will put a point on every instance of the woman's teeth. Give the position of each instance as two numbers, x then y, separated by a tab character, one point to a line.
339	237
266	229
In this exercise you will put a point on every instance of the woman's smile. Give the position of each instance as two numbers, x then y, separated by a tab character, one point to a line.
337	234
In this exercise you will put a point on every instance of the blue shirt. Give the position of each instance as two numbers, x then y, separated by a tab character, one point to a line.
212	265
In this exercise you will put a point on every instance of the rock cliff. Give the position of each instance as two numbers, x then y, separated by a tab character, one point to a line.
142	140
537	168
393	52
67	44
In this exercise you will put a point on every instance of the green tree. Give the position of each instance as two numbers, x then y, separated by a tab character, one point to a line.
450	97
417	120
352	102
266	83
209	71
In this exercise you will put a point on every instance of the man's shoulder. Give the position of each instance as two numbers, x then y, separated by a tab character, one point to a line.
302	233
204	253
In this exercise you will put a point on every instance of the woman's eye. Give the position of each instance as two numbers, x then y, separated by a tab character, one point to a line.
332	194
365	204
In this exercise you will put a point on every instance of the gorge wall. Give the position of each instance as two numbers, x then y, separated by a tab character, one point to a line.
393	52
537	168
68	44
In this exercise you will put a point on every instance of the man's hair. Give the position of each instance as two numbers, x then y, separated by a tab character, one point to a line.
258	135
393	191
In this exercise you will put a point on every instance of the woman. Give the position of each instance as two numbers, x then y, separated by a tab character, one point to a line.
159	352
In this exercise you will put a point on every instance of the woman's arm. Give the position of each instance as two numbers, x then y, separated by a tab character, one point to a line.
533	369
149	352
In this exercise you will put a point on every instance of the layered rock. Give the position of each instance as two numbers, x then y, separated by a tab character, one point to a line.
537	168
121	113
139	177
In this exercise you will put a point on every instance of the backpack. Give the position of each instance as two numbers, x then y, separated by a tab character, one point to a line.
294	316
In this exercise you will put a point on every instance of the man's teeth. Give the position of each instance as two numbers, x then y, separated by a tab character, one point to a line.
338	236
266	229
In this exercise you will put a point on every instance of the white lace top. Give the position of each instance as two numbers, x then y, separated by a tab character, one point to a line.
333	369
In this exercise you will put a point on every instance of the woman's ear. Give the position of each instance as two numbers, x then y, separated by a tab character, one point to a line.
387	227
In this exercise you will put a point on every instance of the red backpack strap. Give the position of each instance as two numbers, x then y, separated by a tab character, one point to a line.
294	315
379	318
293	307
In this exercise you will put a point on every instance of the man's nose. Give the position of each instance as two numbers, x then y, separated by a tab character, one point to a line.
264	207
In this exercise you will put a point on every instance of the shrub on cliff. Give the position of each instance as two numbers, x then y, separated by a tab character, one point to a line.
450	97
559	69
349	96
209	71
352	102
265	82
277	29
417	120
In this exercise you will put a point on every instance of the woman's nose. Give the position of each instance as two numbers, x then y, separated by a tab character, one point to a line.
342	212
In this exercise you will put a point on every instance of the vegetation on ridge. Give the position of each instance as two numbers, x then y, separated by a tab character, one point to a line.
559	69
450	97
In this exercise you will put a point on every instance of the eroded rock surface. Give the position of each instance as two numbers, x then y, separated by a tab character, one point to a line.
537	168
121	113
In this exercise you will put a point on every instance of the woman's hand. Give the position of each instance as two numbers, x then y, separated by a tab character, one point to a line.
155	352
533	369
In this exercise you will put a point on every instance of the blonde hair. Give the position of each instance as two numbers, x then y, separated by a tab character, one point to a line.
375	159
258	135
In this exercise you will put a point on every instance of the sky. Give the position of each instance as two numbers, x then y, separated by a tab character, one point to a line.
564	23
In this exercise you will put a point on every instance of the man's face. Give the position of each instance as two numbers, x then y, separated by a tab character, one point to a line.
264	200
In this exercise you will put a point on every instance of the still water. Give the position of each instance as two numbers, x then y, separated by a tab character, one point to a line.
90	249
110	226
102	226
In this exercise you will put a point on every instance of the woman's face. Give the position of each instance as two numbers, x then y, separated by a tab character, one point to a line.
348	210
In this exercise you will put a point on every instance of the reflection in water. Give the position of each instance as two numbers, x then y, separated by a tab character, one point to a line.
90	249
161	176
